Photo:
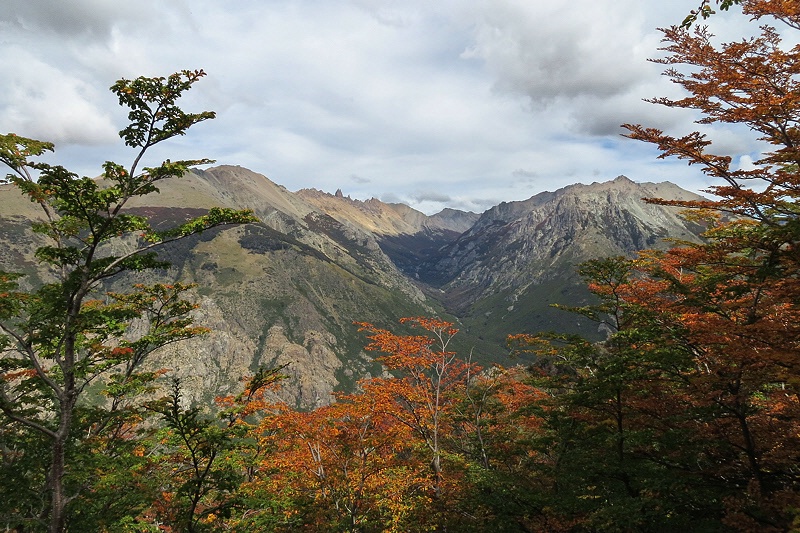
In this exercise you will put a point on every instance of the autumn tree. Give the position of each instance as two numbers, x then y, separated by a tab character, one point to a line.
713	327
738	294
349	466
70	336
468	424
374	460
434	444
428	371
203	459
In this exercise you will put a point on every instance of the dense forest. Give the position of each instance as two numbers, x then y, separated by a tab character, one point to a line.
687	417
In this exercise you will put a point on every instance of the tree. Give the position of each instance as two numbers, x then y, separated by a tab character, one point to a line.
691	406
428	381
689	413
428	374
62	338
200	458
493	424
349	466
616	449
735	299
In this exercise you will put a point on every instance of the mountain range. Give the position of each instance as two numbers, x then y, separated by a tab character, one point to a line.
286	290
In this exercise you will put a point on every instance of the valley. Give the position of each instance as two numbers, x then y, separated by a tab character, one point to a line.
287	290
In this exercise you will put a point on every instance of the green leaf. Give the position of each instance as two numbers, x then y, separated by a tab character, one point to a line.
216	216
154	115
15	152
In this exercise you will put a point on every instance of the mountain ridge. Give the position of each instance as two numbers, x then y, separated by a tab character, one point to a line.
286	290
515	250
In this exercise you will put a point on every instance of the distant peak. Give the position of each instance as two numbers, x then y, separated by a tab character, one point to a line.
339	193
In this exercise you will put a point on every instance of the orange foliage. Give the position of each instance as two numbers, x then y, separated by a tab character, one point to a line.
428	375
734	301
394	456
349	458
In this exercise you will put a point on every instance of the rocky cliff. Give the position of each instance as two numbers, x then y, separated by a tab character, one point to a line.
503	273
285	291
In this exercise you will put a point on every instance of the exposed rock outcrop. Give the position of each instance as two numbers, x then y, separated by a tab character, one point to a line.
286	290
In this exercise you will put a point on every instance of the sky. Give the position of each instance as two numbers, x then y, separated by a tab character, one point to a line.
450	103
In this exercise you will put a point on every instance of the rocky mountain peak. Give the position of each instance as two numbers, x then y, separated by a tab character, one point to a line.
385	219
516	250
288	289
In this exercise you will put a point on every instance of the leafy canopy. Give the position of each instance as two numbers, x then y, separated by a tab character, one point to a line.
72	335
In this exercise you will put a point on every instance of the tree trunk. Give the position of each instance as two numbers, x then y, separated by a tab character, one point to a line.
58	497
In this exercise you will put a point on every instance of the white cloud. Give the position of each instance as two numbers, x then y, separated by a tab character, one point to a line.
76	18
477	100
43	102
745	163
551	51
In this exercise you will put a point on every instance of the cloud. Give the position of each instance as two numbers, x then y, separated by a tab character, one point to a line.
86	18
431	196
360	180
42	102
582	65
477	100
746	163
391	198
525	174
551	50
389	12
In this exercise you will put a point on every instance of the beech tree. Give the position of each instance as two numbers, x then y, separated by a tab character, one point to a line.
428	374
730	306
688	415
438	445
349	466
620	438
493	424
737	296
69	335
